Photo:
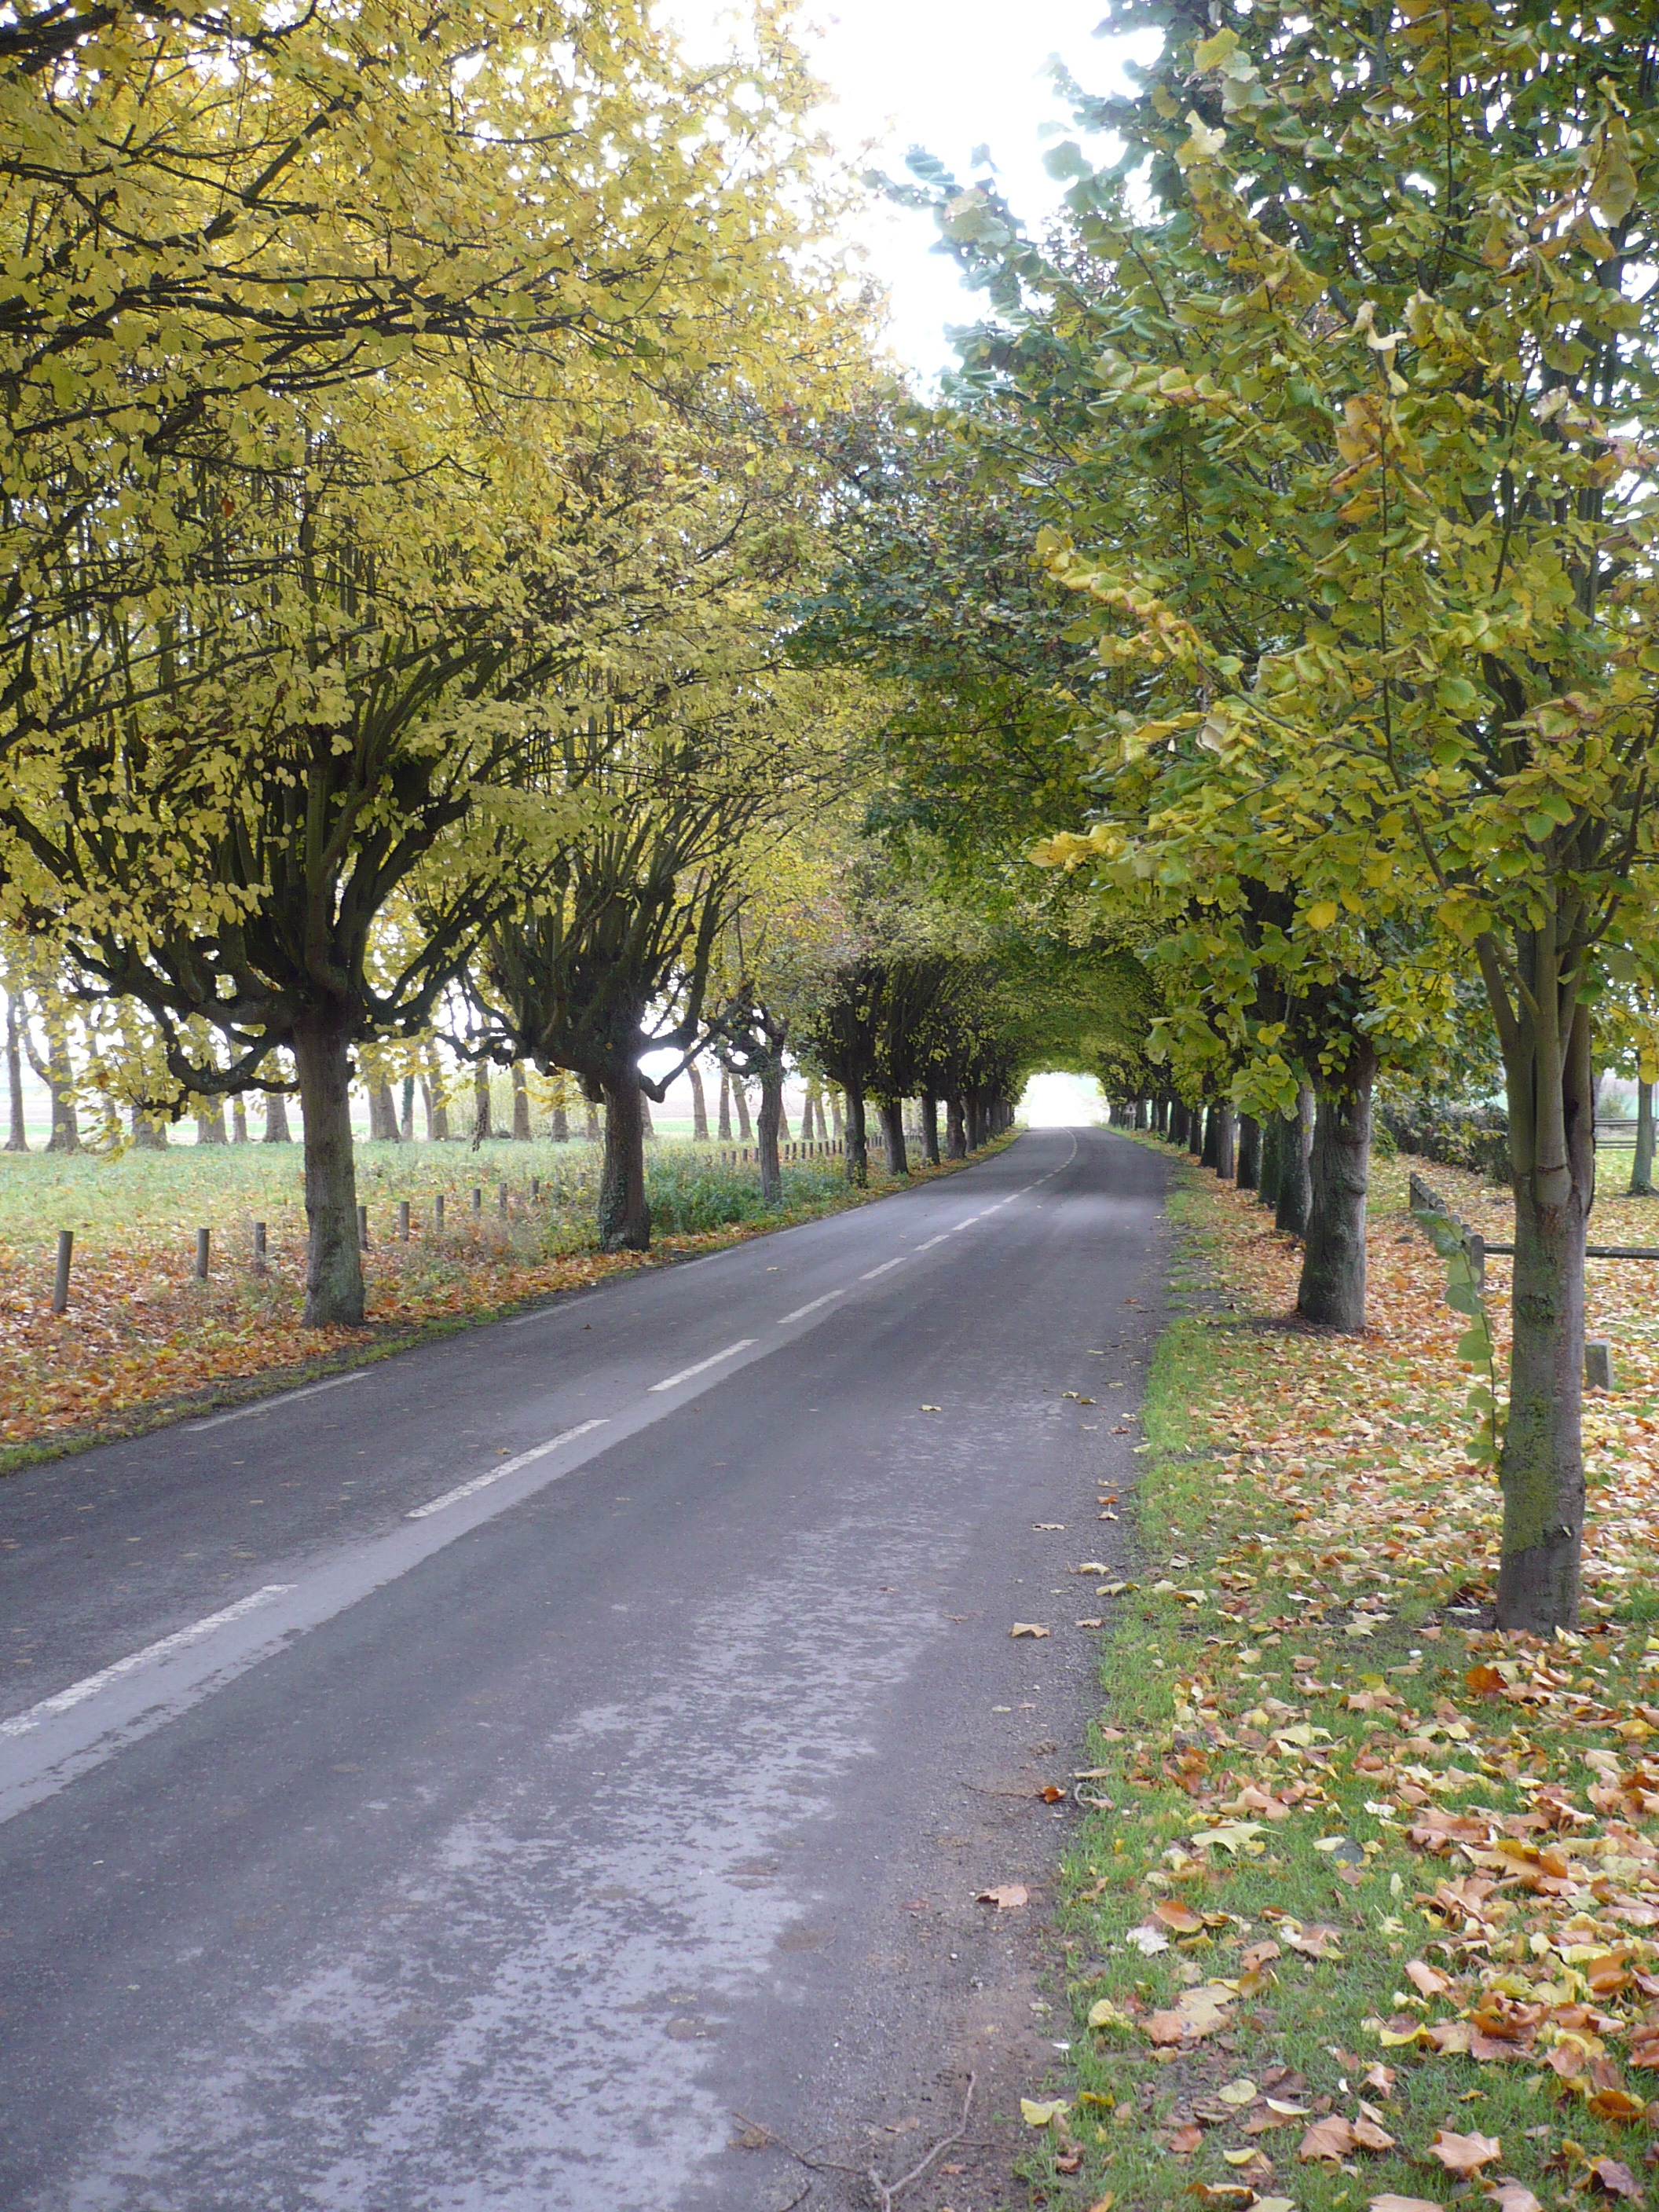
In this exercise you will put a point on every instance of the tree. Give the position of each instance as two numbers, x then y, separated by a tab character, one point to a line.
1373	355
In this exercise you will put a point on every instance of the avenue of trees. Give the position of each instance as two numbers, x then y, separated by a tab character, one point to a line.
1331	407
465	574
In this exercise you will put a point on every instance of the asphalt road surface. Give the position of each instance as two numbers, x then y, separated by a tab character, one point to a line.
471	1782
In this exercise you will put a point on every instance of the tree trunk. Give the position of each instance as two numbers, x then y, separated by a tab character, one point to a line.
858	1150
624	1216
334	1274
647	1126
892	1126
406	1119
238	1120
1248	1172
930	1128
1226	1135
783	1114
18	1139
483	1128
1196	1129
520	1105
1641	1166
812	1125
956	1131
1178	1123
1541	1470
724	1126
699	1107
386	1107
591	1128
770	1127
1209	1146
1295	1193
740	1100
440	1112
148	1134
276	1129
209	1127
1332	1291
561	1108
836	1127
1266	1188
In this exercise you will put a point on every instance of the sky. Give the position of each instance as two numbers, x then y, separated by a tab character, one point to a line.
953	76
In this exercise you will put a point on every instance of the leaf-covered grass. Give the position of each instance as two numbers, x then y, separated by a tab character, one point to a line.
141	1334
1361	1875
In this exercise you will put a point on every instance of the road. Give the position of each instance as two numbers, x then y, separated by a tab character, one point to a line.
471	1783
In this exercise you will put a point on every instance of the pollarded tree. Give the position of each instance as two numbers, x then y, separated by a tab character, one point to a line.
1379	355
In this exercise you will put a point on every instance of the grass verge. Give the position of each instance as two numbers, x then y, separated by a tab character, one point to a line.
143	1343
1363	1909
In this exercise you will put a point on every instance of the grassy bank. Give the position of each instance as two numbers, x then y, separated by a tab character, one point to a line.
1364	1906
143	1338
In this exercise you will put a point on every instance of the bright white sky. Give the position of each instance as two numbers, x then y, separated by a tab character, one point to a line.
953	76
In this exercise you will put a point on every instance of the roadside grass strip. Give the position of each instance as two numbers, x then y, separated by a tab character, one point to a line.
143	1341
1364	1910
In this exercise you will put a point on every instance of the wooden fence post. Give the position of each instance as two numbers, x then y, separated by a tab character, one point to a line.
203	1238
60	1278
403	1221
259	1265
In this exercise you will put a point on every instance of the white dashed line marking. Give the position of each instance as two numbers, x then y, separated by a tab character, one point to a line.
495	1474
703	1365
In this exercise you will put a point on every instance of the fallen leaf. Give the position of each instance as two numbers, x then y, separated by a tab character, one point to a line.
1148	1941
1428	1981
1389	2203
1179	1918
1036	2115
1615	2178
1369	2137
1242	2092
1051	1793
1380	2078
1464	2154
1185	2140
1327	2138
1165	2027
1102	2012
1027	1628
1005	1896
1617	2104
1259	1955
1511	2196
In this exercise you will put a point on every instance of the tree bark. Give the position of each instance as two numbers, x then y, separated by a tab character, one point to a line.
520	1105
1295	1194
1542	1469
1209	1150
1195	1133
699	1107
956	1131
770	1126
1249	1152
238	1120
17	1140
334	1274
386	1114
836	1128
647	1126
209	1126
592	1130
561	1108
724	1126
892	1129
276	1128
483	1128
930	1128
148	1134
1227	1154
1273	1132
624	1216
1641	1166
1332	1292
740	1100
406	1122
858	1150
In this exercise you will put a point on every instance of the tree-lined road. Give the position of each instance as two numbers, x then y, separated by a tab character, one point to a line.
469	1783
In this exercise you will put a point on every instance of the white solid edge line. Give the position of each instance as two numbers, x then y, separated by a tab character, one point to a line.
90	1685
495	1474
801	1312
703	1365
270	1405
870	1273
